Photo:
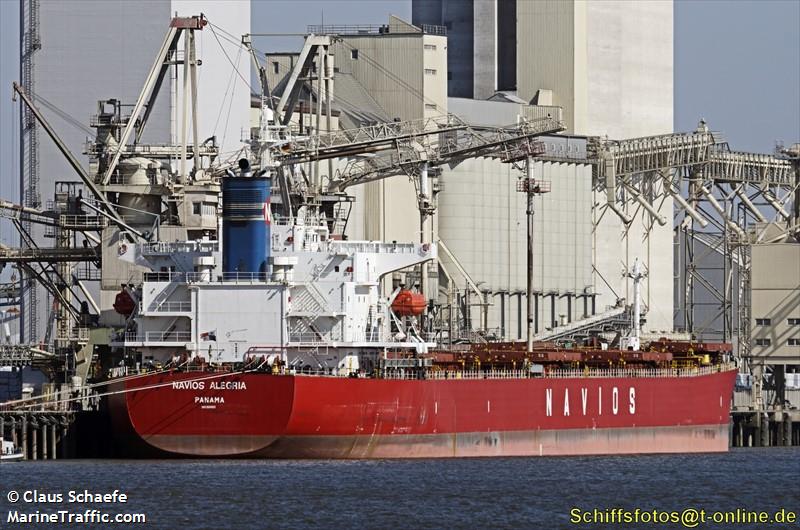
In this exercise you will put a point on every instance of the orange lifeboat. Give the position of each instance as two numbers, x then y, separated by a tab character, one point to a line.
408	303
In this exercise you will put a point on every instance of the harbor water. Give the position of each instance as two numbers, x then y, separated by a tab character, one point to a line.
452	493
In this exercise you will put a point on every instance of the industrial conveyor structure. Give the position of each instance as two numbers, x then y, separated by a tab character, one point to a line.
726	202
730	199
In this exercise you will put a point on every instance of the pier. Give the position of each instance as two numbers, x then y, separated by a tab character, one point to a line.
765	429
40	434
758	422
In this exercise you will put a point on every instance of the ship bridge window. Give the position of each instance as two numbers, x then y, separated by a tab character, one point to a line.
794	321
794	342
196	208
763	342
763	321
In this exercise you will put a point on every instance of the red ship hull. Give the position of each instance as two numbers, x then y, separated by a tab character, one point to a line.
285	416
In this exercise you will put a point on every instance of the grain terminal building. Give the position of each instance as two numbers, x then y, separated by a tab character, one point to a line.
581	251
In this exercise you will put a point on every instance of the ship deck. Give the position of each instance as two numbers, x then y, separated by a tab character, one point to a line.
206	372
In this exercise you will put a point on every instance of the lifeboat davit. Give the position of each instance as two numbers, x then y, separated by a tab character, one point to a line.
407	303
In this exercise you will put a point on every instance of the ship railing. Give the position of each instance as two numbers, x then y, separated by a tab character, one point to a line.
310	337
118	371
193	277
637	372
164	276
377	336
375	247
455	374
168	307
307	220
159	336
327	337
416	374
163	247
230	277
556	374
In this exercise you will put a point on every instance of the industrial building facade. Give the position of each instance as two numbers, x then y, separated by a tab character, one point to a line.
582	248
609	83
775	303
403	71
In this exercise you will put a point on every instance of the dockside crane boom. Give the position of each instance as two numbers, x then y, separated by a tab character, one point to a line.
87	180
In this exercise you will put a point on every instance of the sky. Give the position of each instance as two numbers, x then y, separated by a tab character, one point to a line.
736	64
9	124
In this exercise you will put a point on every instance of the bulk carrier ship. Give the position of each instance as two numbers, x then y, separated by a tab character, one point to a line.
249	326
289	349
291	352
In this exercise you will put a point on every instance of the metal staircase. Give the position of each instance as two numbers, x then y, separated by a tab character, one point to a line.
341	213
164	295
308	306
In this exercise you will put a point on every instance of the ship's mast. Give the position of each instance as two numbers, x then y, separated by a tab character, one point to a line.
633	341
531	187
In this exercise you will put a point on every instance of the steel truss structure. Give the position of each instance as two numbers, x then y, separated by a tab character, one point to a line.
726	201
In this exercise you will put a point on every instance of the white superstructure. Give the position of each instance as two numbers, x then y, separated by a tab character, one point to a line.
321	294
318	306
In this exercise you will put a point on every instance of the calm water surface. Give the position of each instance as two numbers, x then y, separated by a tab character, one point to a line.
465	493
